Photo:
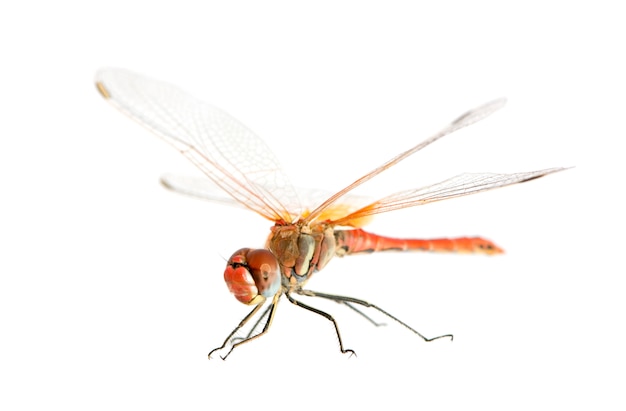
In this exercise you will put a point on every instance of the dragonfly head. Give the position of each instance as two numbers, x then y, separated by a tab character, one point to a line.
252	275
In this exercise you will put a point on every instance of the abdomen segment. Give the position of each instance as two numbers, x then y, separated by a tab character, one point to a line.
359	241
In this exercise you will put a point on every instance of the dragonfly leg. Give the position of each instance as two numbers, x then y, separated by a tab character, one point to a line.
325	315
241	324
347	300
361	313
255	326
269	311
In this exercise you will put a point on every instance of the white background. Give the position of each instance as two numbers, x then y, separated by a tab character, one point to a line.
111	290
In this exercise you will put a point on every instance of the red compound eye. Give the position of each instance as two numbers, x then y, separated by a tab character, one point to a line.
252	275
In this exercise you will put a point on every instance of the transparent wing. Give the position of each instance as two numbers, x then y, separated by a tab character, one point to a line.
235	159
205	189
461	185
465	120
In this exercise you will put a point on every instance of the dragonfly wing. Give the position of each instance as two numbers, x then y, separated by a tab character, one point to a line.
464	120
233	157
461	185
205	189
198	187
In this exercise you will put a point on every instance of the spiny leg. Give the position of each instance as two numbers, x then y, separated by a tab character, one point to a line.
367	317
347	300
325	315
271	311
241	324
256	324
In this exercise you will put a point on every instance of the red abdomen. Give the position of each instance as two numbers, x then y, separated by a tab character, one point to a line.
359	241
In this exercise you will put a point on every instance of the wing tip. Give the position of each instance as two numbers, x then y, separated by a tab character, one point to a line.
103	90
480	112
165	182
546	172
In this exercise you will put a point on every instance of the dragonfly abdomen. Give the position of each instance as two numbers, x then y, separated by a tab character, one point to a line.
359	241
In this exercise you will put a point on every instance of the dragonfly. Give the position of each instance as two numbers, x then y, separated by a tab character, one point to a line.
241	169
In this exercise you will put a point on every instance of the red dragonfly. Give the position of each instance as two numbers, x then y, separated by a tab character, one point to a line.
303	239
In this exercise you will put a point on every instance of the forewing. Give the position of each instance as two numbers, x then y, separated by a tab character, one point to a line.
464	120
233	157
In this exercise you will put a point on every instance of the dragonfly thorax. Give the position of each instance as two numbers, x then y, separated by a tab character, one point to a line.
301	250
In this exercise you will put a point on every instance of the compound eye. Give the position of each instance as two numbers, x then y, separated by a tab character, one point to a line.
252	275
263	267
